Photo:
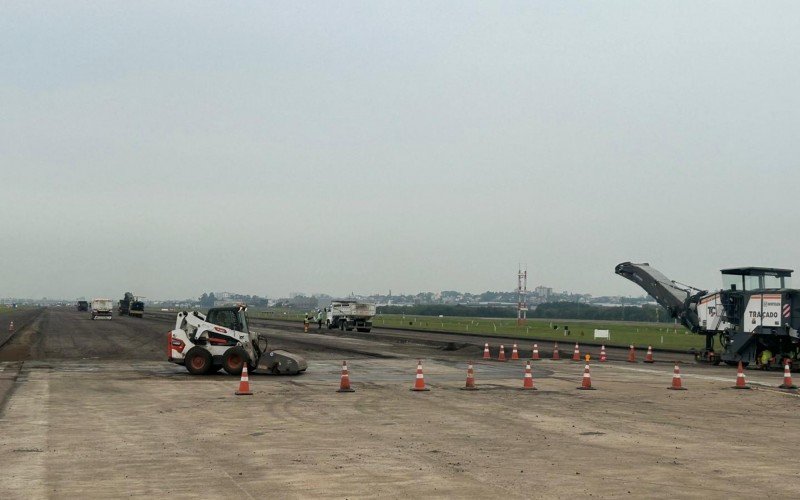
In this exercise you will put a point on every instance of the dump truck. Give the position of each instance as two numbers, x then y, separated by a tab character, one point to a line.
101	308
349	314
754	317
222	339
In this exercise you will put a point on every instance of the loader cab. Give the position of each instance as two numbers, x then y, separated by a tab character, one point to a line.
234	318
756	278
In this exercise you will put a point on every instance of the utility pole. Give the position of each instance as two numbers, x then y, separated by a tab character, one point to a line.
522	296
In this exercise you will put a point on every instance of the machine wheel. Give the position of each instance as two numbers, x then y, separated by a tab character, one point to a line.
215	369
198	361
341	325
363	330
234	360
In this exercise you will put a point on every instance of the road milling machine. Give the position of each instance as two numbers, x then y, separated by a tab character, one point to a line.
756	312
222	339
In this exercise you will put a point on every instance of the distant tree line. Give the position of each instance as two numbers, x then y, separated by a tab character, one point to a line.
560	310
208	299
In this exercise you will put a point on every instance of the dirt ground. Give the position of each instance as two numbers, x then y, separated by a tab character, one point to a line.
96	427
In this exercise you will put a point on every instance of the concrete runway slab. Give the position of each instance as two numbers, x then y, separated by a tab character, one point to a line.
94	427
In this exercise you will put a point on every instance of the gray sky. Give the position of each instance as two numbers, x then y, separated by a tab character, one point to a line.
169	148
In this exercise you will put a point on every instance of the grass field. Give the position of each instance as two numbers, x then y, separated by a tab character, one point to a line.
660	335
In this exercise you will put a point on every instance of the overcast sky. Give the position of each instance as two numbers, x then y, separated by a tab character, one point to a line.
169	148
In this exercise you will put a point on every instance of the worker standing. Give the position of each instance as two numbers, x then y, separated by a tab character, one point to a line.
766	356
319	319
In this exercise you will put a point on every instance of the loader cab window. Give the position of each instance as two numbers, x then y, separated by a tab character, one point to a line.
733	282
223	318
242	322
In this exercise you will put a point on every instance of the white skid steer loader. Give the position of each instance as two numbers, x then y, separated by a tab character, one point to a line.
222	339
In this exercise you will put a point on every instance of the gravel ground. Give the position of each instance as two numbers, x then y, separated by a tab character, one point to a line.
96	411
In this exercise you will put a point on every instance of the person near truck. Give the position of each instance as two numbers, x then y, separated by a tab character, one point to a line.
319	319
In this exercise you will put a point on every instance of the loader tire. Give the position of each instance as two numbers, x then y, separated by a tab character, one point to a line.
364	330
234	360
198	361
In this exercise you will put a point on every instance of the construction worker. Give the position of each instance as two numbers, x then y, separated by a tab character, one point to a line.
766	356
305	322
319	319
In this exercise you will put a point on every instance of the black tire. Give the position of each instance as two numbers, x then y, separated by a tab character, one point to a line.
198	361
349	329
234	360
364	330
215	368
341	325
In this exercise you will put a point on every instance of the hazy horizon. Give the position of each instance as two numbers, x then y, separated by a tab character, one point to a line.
172	148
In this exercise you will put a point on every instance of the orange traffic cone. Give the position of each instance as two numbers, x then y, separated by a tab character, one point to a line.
556	357
419	384
344	384
527	381
535	354
632	355
501	356
514	353
648	358
787	378
603	354
486	354
470	379
741	383
676	380
586	384
576	354
244	383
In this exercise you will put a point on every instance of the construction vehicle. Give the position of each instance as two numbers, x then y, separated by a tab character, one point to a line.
83	305
131	305
136	309
755	313
101	308
349	314
205	343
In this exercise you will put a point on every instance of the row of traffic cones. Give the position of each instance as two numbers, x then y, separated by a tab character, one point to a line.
527	381
576	353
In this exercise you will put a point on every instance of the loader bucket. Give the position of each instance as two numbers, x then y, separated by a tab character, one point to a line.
280	362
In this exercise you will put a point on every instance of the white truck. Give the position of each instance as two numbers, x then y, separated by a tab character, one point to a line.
101	308
349	314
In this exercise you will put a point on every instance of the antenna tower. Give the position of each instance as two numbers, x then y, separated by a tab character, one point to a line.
522	296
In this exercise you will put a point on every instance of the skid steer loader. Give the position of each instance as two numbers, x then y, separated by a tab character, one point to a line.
222	339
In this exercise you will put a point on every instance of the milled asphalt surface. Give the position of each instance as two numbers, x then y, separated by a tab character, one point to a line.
97	412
